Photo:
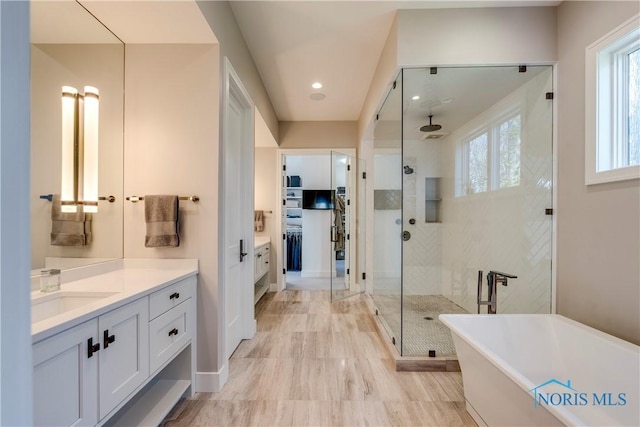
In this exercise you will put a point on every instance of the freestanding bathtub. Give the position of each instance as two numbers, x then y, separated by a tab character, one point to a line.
545	370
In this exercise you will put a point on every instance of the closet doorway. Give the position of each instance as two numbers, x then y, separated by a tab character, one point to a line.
318	221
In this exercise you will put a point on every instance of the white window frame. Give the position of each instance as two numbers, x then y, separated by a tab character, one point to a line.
492	130
606	105
464	190
495	142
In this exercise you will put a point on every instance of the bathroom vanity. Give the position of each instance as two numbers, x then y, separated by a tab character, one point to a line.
262	253
118	347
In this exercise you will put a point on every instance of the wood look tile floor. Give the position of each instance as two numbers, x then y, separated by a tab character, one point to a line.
317	363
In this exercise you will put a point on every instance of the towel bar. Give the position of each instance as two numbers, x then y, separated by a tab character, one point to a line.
136	199
49	197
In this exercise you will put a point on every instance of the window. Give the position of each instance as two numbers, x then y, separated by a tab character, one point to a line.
509	152
491	157
477	164
612	113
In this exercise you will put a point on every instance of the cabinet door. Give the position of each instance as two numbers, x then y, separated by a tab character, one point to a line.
124	357
257	265
65	378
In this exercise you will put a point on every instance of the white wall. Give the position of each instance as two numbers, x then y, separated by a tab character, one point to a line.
423	252
318	134
16	367
509	35
77	65
266	199
386	247
598	271
232	45
171	147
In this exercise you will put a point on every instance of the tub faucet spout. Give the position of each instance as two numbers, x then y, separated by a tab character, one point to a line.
493	278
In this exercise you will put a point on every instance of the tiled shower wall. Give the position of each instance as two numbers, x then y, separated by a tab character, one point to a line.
422	254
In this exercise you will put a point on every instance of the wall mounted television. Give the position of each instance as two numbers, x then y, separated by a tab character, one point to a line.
318	199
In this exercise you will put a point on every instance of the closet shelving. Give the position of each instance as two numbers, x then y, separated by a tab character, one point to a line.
294	205
294	227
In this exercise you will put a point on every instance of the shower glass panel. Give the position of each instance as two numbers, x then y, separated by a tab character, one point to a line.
476	180
387	213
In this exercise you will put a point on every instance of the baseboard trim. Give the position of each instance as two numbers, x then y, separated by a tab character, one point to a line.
212	382
273	287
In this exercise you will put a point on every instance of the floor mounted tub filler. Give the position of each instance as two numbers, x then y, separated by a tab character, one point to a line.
545	370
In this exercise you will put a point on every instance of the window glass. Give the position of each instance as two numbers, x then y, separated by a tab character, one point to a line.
509	152
477	172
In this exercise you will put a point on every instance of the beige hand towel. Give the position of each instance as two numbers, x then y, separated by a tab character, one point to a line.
161	216
258	221
67	228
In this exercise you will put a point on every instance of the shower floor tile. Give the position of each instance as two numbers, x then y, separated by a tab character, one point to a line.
422	331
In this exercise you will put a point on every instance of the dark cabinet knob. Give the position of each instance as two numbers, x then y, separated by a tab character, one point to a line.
174	295
174	331
92	348
107	339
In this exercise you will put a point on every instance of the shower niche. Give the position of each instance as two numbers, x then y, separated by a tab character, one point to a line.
432	200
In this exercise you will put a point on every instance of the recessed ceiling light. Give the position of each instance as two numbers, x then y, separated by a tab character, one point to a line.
415	97
317	85
317	96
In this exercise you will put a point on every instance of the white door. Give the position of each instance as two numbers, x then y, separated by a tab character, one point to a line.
283	220
238	149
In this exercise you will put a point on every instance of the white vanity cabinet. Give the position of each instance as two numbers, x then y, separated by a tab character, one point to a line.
124	356
127	365
65	375
76	385
262	254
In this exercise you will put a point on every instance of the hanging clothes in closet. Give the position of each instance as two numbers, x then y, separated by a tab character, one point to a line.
294	249
338	222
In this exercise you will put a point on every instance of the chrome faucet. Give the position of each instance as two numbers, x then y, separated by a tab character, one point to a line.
493	278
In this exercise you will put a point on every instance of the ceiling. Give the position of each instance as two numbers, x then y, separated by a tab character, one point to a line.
338	43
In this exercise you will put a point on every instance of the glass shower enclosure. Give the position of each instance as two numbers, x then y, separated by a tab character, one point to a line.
462	187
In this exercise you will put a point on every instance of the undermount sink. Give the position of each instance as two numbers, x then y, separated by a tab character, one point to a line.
55	303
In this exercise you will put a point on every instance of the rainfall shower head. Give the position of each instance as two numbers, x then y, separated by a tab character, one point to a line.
430	127
408	170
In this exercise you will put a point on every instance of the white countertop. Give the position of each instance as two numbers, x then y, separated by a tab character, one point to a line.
130	279
261	241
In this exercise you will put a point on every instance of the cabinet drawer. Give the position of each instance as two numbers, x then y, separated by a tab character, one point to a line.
170	332
169	297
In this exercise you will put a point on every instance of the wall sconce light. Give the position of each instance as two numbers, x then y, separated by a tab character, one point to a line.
79	149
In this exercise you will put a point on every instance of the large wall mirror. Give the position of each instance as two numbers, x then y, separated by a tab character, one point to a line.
69	47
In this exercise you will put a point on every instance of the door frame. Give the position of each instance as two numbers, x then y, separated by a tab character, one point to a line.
279	212
232	86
